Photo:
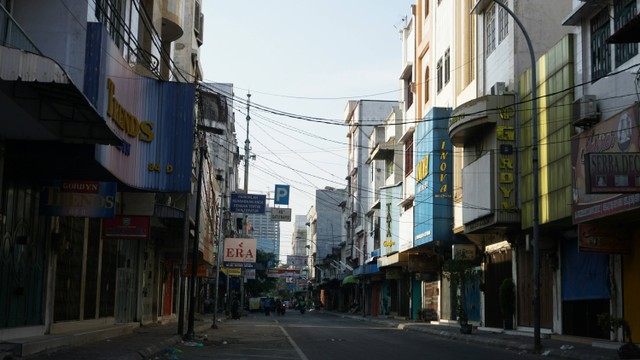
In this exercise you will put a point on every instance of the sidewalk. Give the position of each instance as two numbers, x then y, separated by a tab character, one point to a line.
553	346
145	341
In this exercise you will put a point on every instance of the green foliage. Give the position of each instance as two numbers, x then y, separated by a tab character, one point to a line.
508	298
262	284
609	323
459	271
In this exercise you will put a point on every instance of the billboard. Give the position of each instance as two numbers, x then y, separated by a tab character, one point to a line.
598	157
433	156
82	198
240	252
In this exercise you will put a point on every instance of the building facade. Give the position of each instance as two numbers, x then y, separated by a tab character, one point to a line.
96	186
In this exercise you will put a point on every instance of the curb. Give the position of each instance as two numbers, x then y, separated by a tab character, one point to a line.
493	342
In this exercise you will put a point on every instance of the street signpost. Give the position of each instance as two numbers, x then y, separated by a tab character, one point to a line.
281	214
247	203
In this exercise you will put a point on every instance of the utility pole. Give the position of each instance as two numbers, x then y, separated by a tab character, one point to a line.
537	345
218	261
247	148
183	268
247	157
202	147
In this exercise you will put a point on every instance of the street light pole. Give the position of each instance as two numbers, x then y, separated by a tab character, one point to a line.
196	240
535	165
214	325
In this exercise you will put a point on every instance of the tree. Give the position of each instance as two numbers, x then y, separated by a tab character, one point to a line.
460	271
262	284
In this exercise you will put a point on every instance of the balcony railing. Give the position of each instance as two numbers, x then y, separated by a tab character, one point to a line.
11	35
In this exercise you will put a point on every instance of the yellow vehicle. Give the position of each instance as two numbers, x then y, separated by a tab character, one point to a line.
255	303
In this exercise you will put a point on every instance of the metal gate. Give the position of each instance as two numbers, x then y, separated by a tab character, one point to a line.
498	269
126	286
22	256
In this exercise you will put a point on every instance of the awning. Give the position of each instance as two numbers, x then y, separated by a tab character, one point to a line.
350	279
40	102
586	9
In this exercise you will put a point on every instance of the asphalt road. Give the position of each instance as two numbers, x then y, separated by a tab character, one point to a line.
318	336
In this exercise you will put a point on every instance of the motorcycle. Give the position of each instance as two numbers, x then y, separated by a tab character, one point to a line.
281	309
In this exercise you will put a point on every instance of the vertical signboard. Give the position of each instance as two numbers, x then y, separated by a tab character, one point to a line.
433	211
389	216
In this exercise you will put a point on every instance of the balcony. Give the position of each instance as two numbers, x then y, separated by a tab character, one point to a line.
171	20
476	116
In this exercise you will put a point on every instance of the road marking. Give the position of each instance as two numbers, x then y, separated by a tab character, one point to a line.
293	343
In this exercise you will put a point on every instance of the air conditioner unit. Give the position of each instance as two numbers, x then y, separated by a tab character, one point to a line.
585	111
498	88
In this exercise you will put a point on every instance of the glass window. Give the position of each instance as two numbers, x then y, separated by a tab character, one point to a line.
490	29
600	50
503	23
440	78
426	84
408	157
623	11
447	67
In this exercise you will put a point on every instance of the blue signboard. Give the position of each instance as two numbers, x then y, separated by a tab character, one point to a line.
82	198
433	211
247	203
154	119
282	195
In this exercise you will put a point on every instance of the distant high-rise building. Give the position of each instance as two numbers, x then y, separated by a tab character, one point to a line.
266	231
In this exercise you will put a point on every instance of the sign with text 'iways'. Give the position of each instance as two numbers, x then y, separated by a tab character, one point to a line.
247	203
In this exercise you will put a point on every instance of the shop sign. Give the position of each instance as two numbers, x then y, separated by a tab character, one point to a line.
604	239
612	173
600	157
126	227
240	252
81	198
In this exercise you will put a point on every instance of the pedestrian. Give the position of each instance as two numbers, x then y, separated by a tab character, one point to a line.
266	305
235	309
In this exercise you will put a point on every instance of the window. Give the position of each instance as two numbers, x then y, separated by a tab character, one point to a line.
388	168
600	50
439	70
490	29
111	14
408	157
623	11
503	23
447	67
425	84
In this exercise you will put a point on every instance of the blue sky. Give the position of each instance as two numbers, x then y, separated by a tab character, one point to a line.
306	58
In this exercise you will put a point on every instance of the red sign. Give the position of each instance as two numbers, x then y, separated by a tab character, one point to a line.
604	239
611	145
126	227
240	252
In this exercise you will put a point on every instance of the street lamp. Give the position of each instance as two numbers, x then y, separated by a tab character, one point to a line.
535	165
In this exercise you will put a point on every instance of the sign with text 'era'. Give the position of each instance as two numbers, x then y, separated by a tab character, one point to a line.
240	252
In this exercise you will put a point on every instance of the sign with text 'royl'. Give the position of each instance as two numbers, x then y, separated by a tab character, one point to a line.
240	252
247	203
282	195
281	214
